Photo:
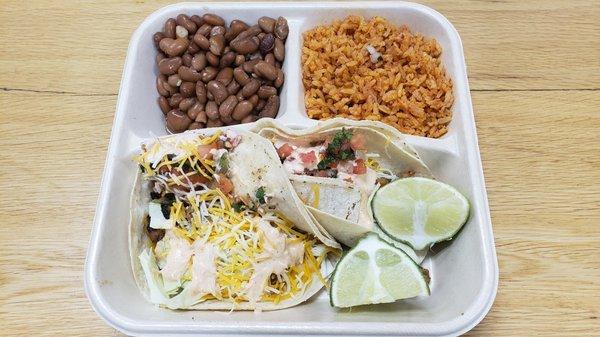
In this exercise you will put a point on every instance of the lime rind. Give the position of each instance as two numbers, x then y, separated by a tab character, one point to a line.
369	273
439	209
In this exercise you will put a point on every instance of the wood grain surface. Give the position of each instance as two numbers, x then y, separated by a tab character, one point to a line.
534	69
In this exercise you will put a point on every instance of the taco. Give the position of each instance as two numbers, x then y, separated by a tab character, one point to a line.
336	167
215	224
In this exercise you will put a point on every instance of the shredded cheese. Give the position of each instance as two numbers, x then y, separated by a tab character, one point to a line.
204	216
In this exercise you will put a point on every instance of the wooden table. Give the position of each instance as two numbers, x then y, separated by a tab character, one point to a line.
534	70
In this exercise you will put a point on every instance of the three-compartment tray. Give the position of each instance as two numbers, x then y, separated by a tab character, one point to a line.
464	274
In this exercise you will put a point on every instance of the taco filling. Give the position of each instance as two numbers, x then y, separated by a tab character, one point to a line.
342	156
207	242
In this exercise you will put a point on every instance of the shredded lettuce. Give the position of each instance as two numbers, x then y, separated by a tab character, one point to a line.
153	277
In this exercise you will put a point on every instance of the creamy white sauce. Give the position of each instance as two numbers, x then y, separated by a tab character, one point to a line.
293	163
204	270
278	255
178	253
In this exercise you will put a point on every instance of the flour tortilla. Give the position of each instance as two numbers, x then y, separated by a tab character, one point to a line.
253	163
337	209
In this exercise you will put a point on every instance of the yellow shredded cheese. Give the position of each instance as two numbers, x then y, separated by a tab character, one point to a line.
207	215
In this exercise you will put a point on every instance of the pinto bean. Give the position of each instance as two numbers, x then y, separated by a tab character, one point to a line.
177	121
201	41
161	86
250	32
186	59
239	60
271	108
212	59
169	66
250	88
201	92
194	110
199	61
212	110
214	123
227	107
266	44
279	50
205	30
157	37
241	76
266	91
265	70
218	30
225	75
174	80
213	19
249	119
195	125
186	103
281	28
208	74
248	66
187	89
163	103
227	59
175	99
174	47
267	24
233	87
253	100
217	44
197	20
201	117
169	29
279	79
187	23
270	59
242	109
235	28
218	90
244	46
188	74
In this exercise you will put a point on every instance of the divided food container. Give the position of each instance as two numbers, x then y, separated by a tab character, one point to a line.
464	273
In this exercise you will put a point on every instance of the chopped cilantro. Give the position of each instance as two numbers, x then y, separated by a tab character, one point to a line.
223	163
237	206
334	151
339	139
260	195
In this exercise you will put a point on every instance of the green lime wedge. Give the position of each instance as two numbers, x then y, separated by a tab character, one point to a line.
419	211
376	272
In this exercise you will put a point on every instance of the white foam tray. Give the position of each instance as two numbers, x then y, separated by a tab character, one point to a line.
464	274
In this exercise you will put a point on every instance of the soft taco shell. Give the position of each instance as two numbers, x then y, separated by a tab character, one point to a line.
253	163
338	212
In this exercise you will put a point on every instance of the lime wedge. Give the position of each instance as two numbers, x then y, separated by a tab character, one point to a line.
419	211
375	272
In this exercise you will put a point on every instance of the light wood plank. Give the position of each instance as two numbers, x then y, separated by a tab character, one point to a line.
541	159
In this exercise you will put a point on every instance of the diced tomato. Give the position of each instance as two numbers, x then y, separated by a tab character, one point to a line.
308	158
225	184
334	165
285	150
357	142
195	179
204	150
359	167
